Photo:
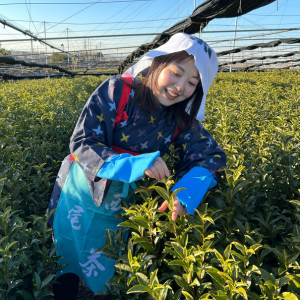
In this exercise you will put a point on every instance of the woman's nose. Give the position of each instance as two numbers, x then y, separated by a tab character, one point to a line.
179	86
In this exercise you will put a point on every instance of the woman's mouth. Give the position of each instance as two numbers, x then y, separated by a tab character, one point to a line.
171	94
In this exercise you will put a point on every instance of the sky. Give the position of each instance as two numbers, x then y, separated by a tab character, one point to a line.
112	17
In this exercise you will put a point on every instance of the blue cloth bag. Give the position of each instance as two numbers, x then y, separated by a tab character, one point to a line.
80	228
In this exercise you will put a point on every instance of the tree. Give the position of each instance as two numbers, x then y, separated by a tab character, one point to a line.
99	54
90	55
4	52
58	58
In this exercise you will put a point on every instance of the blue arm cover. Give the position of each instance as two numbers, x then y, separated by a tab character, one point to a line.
126	167
197	182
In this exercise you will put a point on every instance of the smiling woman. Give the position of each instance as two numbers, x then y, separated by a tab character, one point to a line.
171	79
177	82
176	78
124	128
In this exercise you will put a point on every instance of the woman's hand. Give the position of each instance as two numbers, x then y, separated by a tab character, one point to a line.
158	170
179	209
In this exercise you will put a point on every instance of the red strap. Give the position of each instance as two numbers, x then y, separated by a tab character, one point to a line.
121	115
120	151
177	132
116	149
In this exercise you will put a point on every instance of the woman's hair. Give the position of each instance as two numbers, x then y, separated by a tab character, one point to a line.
147	100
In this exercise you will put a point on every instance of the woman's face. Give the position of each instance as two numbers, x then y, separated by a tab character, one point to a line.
177	82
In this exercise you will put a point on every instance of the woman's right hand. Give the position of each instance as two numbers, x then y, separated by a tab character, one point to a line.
158	170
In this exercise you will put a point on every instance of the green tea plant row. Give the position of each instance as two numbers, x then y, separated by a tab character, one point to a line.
36	121
243	242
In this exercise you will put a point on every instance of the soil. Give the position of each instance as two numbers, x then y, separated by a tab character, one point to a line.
84	293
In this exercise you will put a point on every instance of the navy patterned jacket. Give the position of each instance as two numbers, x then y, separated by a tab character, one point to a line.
94	135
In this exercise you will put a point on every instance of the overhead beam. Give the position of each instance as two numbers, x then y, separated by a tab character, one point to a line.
27	32
140	34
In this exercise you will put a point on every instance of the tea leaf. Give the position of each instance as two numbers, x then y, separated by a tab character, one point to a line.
178	263
141	222
177	295
142	279
139	289
179	250
267	276
123	267
182	283
129	224
47	280
153	277
177	191
288	296
283	281
37	278
163	193
187	295
25	294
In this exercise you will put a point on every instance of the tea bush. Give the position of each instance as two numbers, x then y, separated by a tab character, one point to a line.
36	121
242	242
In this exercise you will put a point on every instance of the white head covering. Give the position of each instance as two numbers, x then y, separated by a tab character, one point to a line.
206	61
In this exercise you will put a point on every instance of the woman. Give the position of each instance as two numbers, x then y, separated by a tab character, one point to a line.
124	128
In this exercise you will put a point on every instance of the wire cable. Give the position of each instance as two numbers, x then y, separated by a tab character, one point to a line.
72	3
81	24
30	15
75	14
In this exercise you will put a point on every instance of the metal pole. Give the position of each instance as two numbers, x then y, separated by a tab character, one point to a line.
68	46
233	42
45	44
88	53
85	50
31	50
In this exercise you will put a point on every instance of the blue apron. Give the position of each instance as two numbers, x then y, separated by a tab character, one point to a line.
80	228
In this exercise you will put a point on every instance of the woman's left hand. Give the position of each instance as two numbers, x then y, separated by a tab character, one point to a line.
179	209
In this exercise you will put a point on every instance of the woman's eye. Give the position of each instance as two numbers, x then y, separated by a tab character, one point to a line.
192	84
174	73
